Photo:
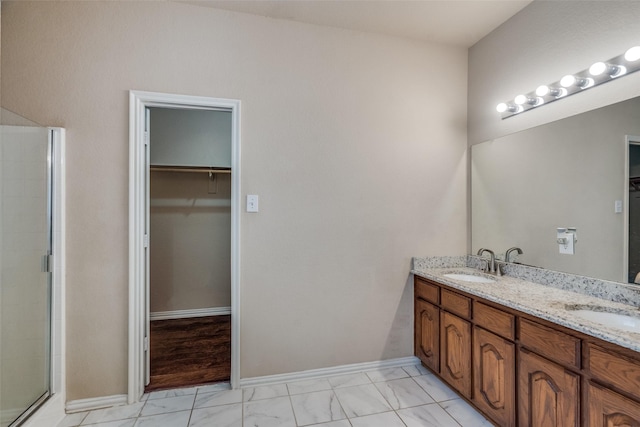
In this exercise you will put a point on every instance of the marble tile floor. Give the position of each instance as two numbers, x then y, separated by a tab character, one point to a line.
407	396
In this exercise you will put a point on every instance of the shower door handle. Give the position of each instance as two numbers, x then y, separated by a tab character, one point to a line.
47	263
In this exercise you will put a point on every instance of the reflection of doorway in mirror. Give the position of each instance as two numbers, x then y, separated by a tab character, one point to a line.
633	213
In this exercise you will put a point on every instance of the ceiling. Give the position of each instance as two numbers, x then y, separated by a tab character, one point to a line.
454	22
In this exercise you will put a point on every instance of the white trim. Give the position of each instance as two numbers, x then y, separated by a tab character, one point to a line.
328	372
186	314
138	101
52	410
58	338
93	403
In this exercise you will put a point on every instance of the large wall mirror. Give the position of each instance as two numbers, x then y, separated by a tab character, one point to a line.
568	173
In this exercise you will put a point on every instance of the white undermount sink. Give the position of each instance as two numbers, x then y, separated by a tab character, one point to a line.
468	278
616	320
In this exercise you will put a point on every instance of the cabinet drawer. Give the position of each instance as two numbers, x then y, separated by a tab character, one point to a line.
427	291
614	369
551	343
496	321
456	303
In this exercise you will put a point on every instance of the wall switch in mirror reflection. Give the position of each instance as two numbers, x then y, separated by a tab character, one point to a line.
568	247
618	206
566	239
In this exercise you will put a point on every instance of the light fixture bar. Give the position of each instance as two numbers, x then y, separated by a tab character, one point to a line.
597	74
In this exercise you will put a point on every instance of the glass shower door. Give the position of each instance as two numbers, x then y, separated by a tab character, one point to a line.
25	281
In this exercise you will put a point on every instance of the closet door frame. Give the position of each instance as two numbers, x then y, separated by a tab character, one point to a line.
139	101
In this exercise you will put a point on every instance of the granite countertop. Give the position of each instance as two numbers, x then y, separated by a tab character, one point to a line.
542	301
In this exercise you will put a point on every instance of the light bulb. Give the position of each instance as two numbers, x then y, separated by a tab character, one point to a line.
612	70
582	82
545	90
542	90
597	68
633	54
567	81
520	99
504	107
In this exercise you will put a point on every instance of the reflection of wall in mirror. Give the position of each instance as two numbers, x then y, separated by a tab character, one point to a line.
563	174
634	213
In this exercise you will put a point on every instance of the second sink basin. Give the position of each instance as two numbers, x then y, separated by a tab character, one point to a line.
620	321
469	278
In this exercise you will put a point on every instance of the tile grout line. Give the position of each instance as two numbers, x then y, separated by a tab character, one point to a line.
193	406
295	419
333	390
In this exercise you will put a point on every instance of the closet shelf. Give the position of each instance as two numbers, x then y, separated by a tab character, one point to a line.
196	169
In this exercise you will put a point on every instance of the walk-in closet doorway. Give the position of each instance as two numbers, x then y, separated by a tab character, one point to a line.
184	191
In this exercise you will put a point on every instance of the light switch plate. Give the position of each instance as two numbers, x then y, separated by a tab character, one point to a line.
569	248
252	203
618	206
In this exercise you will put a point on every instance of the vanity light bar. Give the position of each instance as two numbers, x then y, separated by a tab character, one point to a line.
598	73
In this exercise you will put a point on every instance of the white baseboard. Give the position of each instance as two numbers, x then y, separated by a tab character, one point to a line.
328	372
90	404
184	314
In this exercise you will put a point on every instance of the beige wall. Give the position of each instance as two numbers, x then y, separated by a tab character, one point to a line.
190	235
354	142
539	45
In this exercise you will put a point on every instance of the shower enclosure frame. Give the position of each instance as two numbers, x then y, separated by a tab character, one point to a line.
50	410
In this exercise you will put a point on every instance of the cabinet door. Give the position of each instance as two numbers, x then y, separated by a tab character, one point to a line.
455	352
427	334
609	409
549	395
494	376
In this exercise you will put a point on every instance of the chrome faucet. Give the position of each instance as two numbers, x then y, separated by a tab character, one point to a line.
492	262
506	255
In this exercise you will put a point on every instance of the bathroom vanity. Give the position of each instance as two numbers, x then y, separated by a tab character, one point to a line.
521	353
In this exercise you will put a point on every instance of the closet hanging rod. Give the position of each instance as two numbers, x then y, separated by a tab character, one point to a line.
189	169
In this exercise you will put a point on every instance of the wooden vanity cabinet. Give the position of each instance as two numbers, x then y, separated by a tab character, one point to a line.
455	350
607	407
610	409
494	376
551	343
549	395
520	370
427	334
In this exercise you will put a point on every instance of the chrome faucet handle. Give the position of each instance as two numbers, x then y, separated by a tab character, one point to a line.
485	267
499	268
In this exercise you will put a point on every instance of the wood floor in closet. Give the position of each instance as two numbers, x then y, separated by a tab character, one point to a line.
187	352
